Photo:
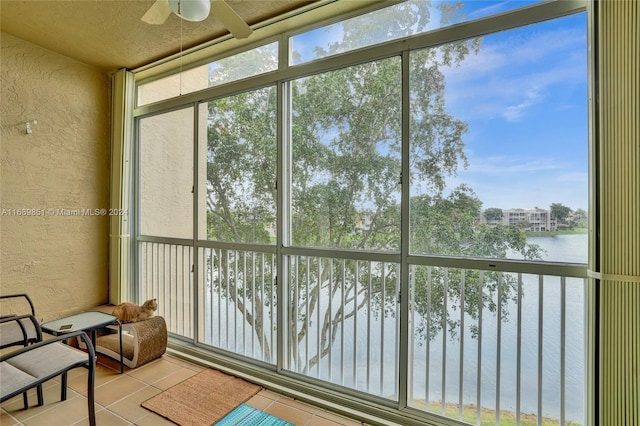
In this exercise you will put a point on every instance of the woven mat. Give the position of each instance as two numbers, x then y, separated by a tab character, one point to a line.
202	399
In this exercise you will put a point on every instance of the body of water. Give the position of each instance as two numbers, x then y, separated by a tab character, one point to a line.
541	307
539	375
364	355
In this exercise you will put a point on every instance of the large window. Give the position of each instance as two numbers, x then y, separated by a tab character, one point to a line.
403	220
346	158
246	64
241	167
498	145
391	23
166	174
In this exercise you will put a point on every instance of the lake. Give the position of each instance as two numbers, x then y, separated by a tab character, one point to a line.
358	359
571	248
381	378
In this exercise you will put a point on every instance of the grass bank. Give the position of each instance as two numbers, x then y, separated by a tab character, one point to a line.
560	232
487	416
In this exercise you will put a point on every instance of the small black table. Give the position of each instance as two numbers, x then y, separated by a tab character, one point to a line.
86	321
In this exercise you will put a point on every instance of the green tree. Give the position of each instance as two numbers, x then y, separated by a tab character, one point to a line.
346	162
579	219
560	212
493	214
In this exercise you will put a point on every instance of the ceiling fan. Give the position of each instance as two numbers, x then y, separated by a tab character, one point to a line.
198	10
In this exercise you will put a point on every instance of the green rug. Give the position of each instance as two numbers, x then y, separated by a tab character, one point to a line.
245	415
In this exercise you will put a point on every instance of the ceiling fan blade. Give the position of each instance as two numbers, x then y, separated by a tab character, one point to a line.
230	19
157	13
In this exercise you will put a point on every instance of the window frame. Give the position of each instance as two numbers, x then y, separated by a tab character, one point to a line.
281	78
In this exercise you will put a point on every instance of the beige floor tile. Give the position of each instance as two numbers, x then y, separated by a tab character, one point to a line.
7	420
183	363
259	402
269	394
117	389
77	378
297	404
337	418
288	413
118	399
321	421
105	417
181	374
64	413
154	371
153	419
51	393
129	408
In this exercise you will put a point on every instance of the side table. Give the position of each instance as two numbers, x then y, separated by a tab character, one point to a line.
86	321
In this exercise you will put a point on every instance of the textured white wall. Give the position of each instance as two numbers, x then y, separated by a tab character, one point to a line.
63	166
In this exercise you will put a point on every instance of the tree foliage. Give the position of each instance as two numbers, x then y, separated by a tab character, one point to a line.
560	212
493	214
345	172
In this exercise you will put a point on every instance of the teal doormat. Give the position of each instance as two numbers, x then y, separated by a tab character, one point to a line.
246	415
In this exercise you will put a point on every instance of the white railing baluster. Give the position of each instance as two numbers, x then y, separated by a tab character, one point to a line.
519	352
382	302
253	299
498	349
370	270
354	377
330	354
214	272
273	306
461	356
428	337
243	281
397	332
563	341
228	295
540	343
318	308
220	276
445	315
479	367
342	307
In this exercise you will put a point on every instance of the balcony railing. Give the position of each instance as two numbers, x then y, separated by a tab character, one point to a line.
166	273
499	344
344	322
238	302
485	345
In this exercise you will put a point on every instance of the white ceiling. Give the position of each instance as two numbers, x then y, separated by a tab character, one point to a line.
109	35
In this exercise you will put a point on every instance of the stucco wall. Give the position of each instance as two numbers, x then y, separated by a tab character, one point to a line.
59	254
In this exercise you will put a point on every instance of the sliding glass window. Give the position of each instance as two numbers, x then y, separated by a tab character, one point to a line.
399	213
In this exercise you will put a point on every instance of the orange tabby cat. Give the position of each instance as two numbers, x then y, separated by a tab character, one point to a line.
130	312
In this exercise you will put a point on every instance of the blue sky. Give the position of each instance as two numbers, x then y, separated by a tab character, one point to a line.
524	97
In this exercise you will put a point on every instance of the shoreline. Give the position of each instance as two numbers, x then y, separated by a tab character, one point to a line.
576	231
487	415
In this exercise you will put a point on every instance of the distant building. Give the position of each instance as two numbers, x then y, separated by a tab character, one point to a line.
538	220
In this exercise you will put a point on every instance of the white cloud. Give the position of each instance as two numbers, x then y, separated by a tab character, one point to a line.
516	112
489	10
503	165
515	71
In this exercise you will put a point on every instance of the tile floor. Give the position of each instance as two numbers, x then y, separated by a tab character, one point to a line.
118	399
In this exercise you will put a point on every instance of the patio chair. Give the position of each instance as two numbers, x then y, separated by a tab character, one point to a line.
35	364
24	331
